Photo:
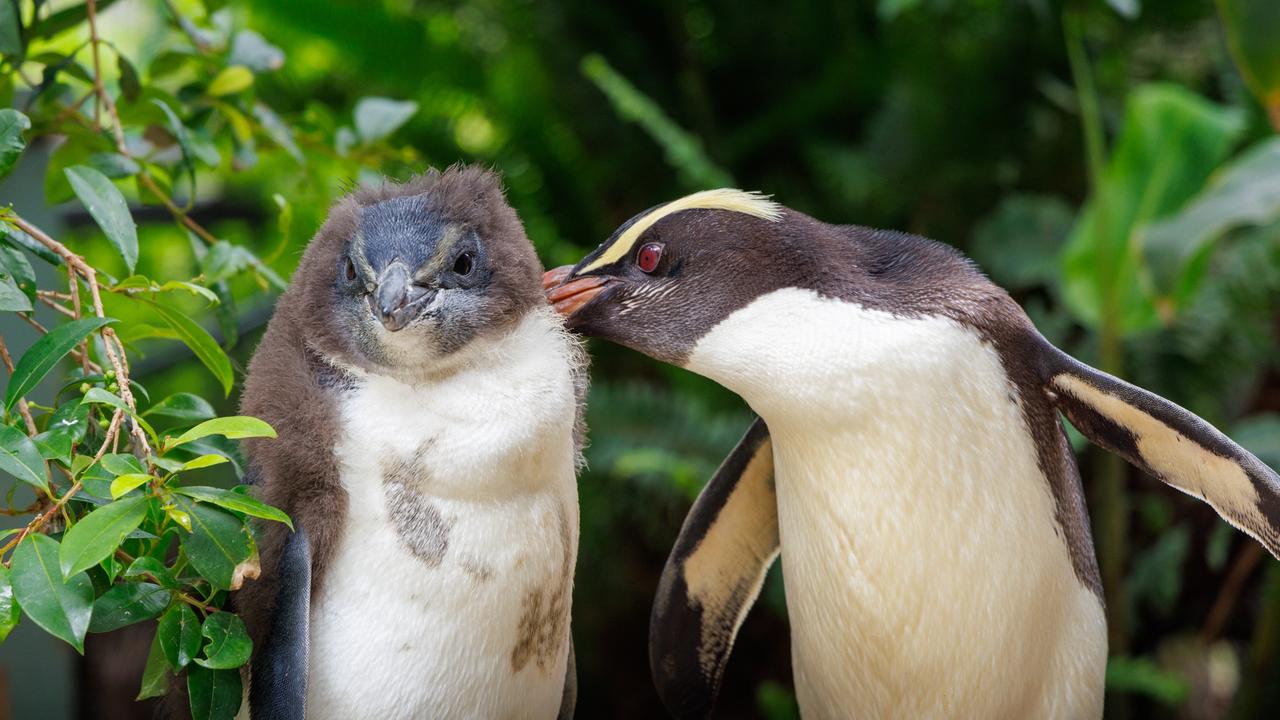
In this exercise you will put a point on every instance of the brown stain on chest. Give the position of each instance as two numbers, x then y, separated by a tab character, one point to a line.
422	529
544	620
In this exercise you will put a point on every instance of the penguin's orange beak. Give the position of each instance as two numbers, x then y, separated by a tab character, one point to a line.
569	297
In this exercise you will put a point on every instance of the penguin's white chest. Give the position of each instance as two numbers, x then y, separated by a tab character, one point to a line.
449	593
925	574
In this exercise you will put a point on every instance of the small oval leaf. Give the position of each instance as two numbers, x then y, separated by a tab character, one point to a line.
100	533
179	635
108	208
229	646
126	604
62	608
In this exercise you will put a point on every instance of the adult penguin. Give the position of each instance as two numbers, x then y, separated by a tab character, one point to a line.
426	399
913	471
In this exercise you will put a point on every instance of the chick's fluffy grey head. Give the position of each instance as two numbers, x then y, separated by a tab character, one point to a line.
404	276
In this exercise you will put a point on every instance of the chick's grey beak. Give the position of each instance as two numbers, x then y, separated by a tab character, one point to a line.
397	300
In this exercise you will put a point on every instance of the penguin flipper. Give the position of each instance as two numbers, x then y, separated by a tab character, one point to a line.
569	698
713	576
1169	443
278	674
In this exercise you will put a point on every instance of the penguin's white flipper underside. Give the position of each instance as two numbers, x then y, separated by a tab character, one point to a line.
1169	443
713	576
278	676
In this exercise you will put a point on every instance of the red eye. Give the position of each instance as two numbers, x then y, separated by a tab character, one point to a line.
648	258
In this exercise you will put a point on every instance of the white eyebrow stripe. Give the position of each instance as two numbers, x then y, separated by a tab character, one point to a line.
733	200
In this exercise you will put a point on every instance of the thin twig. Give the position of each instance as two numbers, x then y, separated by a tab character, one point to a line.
1246	560
23	410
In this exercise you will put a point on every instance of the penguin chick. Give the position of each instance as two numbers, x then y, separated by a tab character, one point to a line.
908	463
425	398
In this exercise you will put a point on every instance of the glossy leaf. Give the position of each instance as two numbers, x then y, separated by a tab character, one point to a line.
126	604
108	208
67	427
217	544
235	427
15	265
155	676
1244	192
235	501
1170	143
45	353
200	342
12	299
12	125
203	461
146	566
179	636
21	458
1252	27
62	608
127	482
377	117
9	611
229	646
122	463
98	534
232	79
114	165
215	694
182	406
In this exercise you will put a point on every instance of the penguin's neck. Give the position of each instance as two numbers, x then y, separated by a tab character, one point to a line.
918	533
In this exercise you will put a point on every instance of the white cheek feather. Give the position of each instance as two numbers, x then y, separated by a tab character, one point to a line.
925	574
471	621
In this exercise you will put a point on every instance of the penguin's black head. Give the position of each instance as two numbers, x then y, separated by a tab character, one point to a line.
402	276
671	273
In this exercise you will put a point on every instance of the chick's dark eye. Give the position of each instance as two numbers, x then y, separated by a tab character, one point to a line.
463	264
648	257
350	270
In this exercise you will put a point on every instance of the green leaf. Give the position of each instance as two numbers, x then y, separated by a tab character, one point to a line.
1252	27
233	79
1141	675
148	566
192	288
114	165
378	117
10	35
15	264
250	49
215	694
127	482
62	608
179	636
279	132
235	427
121	464
218	543
67	427
223	261
45	353
183	406
9	611
12	125
130	86
229	646
21	458
1171	141
183	136
203	461
65	19
15	238
200	342
155	676
126	604
108	208
12	299
100	533
1246	191
235	501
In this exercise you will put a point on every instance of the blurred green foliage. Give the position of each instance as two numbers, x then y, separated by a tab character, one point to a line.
1112	164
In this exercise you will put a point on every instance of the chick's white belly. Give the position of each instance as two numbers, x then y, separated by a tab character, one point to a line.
394	637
